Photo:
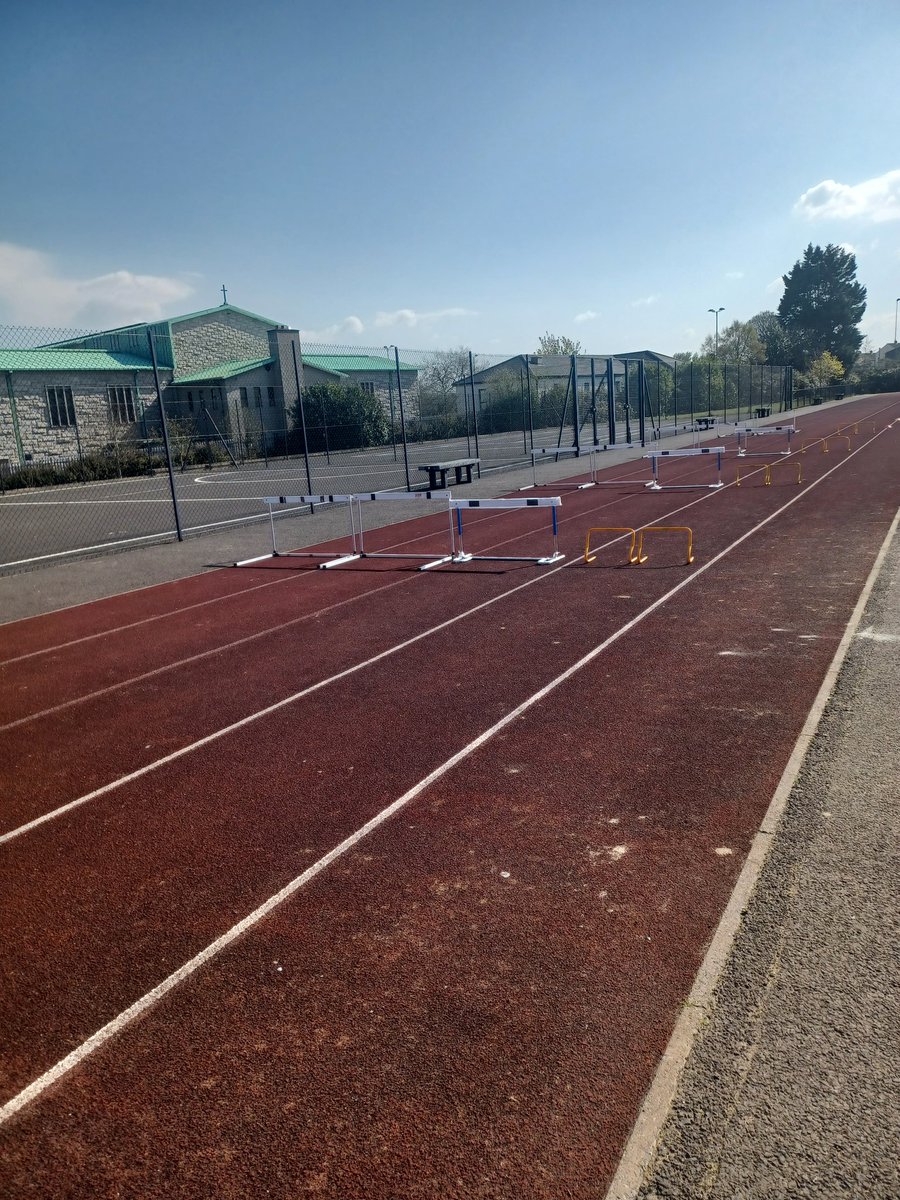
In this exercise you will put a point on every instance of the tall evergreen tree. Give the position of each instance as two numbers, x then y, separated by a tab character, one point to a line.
822	306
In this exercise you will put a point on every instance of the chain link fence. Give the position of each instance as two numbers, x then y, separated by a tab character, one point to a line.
115	437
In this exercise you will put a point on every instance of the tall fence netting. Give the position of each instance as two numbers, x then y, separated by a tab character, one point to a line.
112	438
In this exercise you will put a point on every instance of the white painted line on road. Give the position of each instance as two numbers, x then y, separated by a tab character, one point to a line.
130	1014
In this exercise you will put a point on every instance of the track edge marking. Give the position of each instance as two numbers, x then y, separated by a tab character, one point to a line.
641	1146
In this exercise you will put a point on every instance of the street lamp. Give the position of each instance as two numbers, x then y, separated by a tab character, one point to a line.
896	303
716	312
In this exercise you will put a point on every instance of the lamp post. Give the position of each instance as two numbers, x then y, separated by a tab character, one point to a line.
896	305
716	312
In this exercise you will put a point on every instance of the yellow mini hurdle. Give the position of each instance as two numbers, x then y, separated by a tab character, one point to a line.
589	558
642	557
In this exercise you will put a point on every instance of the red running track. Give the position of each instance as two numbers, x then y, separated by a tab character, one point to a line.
471	999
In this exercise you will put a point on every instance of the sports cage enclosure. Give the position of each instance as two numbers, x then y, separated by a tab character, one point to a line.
82	431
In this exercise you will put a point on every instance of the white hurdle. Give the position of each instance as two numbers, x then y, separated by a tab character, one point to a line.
558	452
551	502
432	560
302	502
655	486
749	431
456	552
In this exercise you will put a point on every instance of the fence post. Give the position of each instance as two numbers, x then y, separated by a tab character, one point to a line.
627	404
402	418
575	413
675	394
474	410
641	416
593	400
691	383
298	379
165	437
611	401
530	405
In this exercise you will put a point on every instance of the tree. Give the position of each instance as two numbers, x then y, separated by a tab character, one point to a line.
552	343
822	306
824	370
739	344
443	369
772	334
341	418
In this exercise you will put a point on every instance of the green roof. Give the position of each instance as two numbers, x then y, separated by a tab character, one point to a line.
138	325
342	363
224	370
71	360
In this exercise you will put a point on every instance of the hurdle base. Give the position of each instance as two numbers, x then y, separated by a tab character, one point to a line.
437	562
337	562
245	562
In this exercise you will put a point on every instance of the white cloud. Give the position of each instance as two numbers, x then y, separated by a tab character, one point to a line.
873	200
32	291
734	274
646	300
351	326
409	318
589	315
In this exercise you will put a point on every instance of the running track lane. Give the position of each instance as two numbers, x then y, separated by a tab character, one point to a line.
52	763
65	673
452	825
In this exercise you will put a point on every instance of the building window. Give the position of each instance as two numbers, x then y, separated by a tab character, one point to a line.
368	387
215	395
271	392
61	406
201	396
257	397
121	405
191	401
244	398
482	392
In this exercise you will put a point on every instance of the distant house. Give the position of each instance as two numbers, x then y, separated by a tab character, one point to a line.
223	372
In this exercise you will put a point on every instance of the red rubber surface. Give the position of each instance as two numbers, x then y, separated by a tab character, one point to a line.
472	1000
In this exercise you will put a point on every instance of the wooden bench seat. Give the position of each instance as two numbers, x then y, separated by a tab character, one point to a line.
458	465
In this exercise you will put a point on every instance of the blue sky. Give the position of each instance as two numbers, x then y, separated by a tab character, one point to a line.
431	175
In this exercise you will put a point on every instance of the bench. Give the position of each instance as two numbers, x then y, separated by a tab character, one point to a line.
458	465
762	412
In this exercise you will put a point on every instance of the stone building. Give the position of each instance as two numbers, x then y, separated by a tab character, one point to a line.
224	373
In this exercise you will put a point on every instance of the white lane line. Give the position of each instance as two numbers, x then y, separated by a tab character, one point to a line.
115	1026
391	650
182	662
641	1145
217	599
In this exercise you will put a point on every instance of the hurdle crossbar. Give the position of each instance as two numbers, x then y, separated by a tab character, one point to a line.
655	486
303	502
551	502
